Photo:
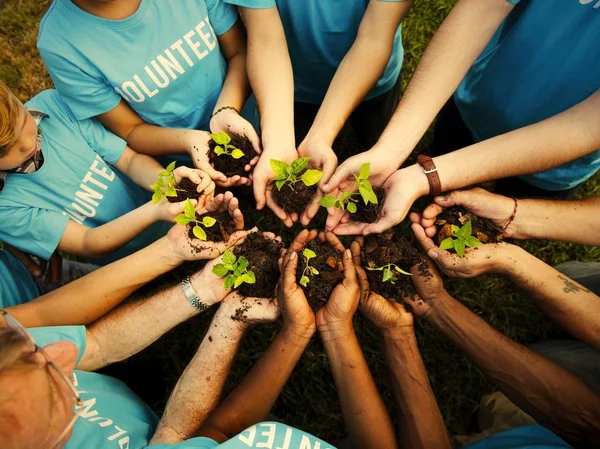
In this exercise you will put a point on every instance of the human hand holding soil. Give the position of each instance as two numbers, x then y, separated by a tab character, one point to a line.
490	257
205	187
384	313
298	318
479	201
429	286
263	179
248	310
401	190
335	318
231	122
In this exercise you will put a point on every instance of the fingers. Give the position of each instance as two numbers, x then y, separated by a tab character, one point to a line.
31	265
363	282
289	270
427	244
343	171
351	228
349	269
235	180
328	169
214	206
259	187
334	215
355	249
215	175
385	222
332	239
302	239
281	214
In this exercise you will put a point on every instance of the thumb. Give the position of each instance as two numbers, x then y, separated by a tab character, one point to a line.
349	269
385	222
254	139
342	172
289	271
328	170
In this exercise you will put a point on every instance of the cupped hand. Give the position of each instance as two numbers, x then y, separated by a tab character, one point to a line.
490	257
479	201
205	185
263	179
229	121
336	316
227	203
382	313
429	286
248	310
298	317
401	191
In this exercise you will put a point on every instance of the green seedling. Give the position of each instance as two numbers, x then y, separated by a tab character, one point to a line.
349	199
189	216
288	173
461	238
388	272
308	269
234	270
224	147
165	184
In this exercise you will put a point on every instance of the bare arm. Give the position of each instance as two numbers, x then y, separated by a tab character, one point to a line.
420	423
550	394
88	298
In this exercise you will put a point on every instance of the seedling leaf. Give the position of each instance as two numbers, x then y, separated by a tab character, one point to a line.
455	229
308	253
243	262
220	270
304	280
364	171
313	270
466	230
229	281
229	257
189	210
156	197
208	221
447	243
311	177
236	154
327	201
250	277
171	167
299	164
221	138
182	220
199	232
346	195
279	184
238	281
278	167
387	275
459	247
352	208
219	151
472	241
400	270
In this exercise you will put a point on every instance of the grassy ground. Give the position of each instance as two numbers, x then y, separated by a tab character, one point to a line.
309	400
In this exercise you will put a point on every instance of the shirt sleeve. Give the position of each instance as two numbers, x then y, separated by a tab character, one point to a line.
222	16
33	230
108	145
254	4
84	90
47	335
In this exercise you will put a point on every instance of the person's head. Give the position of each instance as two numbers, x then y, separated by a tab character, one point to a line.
18	131
36	402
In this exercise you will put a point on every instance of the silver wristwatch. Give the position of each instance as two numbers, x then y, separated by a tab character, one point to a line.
191	295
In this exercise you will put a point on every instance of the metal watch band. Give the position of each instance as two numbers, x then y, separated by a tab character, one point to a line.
190	294
430	170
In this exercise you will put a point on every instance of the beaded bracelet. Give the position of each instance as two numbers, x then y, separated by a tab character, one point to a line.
222	109
512	217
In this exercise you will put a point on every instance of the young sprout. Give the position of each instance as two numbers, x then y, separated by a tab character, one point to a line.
165	184
288	173
235	270
223	146
388	274
349	199
189	216
308	270
461	238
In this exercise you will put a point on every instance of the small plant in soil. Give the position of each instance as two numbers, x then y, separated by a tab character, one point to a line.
234	270
295	184
484	229
189	217
349	199
461	238
230	153
308	269
166	187
262	255
388	272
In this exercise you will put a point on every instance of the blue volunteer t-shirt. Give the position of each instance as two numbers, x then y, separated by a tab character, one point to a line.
319	34
542	60
17	286
526	437
76	182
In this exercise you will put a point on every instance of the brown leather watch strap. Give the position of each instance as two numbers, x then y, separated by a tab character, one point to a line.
430	170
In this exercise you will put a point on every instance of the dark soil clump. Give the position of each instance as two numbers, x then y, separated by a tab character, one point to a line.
186	189
220	231
228	165
262	255
483	228
369	213
390	248
294	199
331	272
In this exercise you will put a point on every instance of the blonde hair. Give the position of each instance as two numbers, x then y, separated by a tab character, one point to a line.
10	110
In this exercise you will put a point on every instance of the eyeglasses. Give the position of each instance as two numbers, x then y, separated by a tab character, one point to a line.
13	324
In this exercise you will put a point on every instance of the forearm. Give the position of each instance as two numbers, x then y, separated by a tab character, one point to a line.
271	77
156	141
241	409
90	297
236	88
144	170
198	390
97	242
420	423
576	221
535	148
451	52
569	304
360	411
352	82
550	394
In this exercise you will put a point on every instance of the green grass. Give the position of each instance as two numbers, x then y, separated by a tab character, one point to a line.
309	400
